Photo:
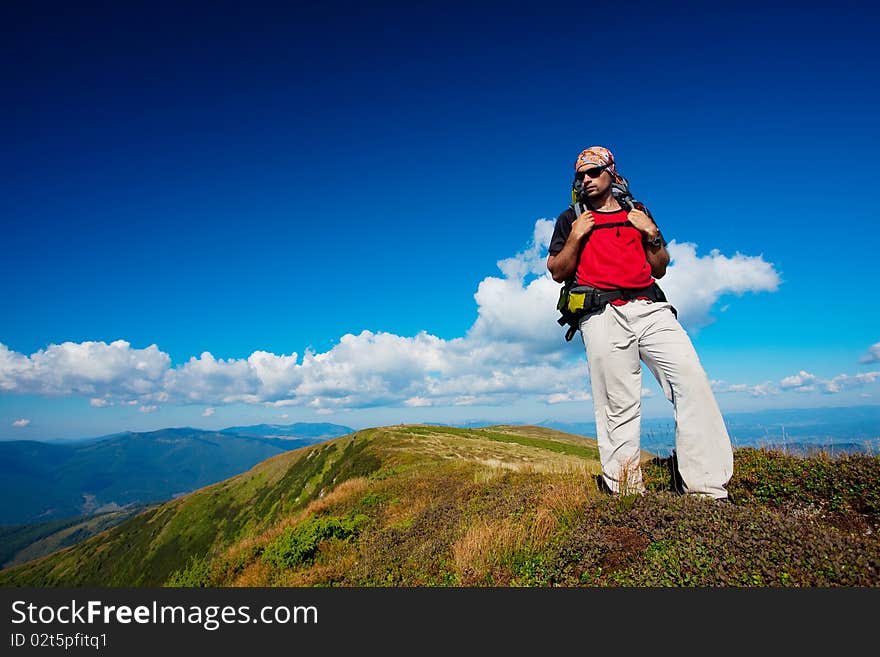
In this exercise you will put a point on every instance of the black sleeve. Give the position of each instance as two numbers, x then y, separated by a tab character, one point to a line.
561	231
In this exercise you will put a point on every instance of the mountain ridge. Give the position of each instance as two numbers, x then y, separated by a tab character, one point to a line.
43	481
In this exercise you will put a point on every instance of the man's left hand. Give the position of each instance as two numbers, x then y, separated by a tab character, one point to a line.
644	223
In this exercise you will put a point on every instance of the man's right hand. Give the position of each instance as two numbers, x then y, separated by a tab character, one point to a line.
581	226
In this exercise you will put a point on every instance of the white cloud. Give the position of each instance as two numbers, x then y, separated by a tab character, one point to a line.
806	382
761	389
87	368
802	382
208	412
764	389
694	283
23	422
572	396
515	349
843	382
208	379
872	355
514	313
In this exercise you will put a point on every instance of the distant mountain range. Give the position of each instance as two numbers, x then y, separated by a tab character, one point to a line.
47	481
317	430
852	429
844	429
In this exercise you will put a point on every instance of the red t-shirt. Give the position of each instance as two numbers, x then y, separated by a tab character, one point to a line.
613	257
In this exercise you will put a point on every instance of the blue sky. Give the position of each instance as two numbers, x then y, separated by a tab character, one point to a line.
340	214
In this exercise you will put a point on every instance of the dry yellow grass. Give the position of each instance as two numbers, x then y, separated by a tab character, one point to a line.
344	491
485	544
566	496
507	456
336	496
401	511
334	562
256	573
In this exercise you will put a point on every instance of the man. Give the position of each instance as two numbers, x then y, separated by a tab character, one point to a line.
620	252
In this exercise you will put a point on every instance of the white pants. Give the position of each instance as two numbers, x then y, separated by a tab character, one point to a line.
616	340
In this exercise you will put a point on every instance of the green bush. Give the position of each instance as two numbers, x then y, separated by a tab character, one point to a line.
298	545
846	484
196	574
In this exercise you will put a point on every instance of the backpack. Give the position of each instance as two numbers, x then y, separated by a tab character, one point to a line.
575	300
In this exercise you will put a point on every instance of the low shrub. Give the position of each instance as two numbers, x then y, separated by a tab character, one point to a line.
298	545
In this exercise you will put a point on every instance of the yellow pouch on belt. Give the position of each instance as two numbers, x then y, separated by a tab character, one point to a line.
576	301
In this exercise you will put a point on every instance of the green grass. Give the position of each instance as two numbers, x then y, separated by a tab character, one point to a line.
582	451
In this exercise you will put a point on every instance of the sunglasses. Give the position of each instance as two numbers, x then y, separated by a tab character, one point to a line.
593	172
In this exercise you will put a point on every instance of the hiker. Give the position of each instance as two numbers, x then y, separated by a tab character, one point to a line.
614	254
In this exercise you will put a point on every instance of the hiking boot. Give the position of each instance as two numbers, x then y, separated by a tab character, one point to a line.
675	475
603	486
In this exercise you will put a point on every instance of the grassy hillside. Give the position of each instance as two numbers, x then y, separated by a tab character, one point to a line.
416	505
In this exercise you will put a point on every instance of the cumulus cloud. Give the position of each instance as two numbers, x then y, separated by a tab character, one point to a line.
872	355
23	422
764	389
694	283
210	379
86	368
570	396
843	382
802	382
513	310
514	349
806	382
208	412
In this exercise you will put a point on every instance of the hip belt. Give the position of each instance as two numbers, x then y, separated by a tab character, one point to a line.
575	301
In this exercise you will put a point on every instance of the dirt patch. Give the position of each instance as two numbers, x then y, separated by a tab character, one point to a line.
622	545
